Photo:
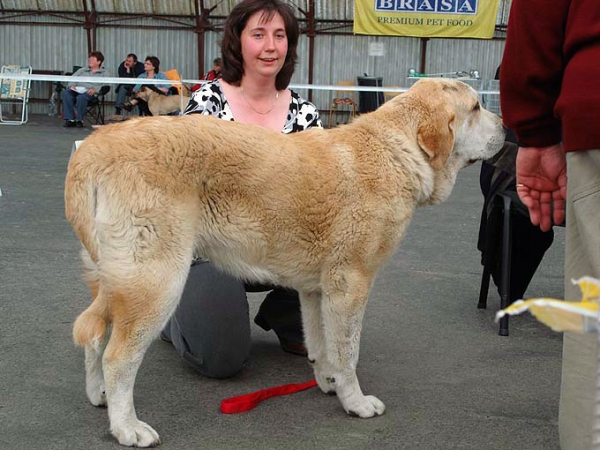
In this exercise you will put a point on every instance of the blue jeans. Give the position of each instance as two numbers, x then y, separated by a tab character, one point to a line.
121	95
74	102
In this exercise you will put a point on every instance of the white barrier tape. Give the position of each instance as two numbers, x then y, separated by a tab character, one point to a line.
116	80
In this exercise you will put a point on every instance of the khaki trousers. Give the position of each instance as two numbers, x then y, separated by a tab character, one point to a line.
582	257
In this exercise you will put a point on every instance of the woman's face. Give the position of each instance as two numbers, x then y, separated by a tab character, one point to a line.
264	45
93	62
148	67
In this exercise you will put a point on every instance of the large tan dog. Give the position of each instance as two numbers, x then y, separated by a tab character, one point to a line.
163	104
319	211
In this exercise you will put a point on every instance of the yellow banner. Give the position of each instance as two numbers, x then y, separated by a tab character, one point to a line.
426	18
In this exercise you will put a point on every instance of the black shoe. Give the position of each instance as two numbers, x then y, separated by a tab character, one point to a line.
165	337
79	124
293	347
69	124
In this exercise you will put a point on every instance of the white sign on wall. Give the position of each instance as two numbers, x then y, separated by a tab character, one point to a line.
376	49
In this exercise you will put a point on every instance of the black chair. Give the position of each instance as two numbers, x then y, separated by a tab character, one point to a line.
94	113
511	247
499	221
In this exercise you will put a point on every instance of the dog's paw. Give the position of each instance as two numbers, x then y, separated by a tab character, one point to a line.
365	406
139	434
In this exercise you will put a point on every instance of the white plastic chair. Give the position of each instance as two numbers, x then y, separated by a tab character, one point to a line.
14	92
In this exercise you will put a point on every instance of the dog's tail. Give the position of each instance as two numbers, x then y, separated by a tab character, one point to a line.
80	204
91	325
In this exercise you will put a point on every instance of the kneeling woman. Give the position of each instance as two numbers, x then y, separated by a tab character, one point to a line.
211	328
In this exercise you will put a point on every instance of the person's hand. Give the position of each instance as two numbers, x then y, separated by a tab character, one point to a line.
542	183
91	91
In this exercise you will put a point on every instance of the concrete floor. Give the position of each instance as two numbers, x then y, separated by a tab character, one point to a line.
448	380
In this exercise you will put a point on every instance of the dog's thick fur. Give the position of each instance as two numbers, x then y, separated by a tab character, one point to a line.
163	104
318	211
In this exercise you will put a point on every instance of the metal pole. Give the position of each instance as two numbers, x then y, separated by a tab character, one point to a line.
423	54
199	9
87	27
311	45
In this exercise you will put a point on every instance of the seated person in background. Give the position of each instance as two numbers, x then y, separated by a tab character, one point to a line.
151	71
211	75
130	68
76	96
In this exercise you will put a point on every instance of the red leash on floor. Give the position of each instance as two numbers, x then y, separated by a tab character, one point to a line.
242	403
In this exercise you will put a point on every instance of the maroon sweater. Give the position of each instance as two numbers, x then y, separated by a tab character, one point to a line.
550	73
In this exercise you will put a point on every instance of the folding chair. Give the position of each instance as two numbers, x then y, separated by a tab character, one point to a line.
94	113
343	97
173	75
15	92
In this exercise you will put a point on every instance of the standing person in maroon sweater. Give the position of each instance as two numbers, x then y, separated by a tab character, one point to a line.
550	96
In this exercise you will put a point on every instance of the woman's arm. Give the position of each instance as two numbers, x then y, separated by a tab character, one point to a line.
137	87
163	87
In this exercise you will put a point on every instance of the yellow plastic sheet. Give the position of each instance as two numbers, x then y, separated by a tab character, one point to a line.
581	317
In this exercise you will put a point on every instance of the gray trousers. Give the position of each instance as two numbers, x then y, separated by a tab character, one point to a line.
210	327
582	257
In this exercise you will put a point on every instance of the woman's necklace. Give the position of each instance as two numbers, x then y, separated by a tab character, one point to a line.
254	109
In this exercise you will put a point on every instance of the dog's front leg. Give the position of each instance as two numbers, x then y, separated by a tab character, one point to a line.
343	311
314	339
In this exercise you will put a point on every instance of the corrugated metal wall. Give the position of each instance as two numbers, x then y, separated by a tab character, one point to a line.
337	57
450	55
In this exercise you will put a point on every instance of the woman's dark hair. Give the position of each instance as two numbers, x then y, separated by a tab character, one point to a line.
231	46
155	62
98	55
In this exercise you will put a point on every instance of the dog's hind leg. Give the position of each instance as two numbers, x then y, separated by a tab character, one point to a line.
94	377
343	306
139	312
90	331
314	337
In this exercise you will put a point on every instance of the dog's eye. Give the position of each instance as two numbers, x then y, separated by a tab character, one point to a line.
477	107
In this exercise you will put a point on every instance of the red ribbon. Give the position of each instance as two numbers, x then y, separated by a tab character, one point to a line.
242	403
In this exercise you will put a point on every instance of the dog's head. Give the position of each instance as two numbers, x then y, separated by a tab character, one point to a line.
452	129
144	93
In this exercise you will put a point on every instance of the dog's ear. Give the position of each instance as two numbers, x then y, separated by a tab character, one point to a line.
435	135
